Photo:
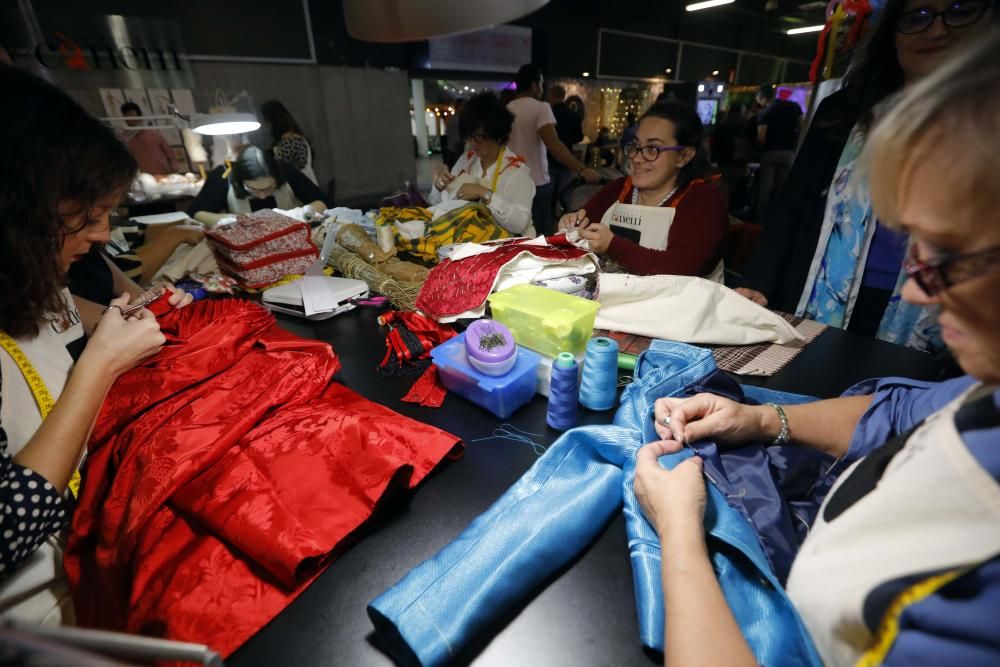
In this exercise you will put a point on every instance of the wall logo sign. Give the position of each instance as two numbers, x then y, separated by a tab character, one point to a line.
63	52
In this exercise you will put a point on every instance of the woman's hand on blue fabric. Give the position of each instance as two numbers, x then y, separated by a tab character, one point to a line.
671	499
707	416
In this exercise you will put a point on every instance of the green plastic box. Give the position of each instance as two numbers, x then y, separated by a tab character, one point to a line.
544	320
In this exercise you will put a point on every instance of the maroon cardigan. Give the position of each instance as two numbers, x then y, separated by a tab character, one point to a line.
695	242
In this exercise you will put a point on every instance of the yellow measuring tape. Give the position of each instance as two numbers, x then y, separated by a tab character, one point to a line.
38	390
888	629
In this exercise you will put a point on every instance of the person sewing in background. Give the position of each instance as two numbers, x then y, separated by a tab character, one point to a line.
66	172
149	148
489	172
822	254
664	218
253	182
289	142
902	565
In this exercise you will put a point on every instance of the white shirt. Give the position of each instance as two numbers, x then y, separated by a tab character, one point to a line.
511	200
531	115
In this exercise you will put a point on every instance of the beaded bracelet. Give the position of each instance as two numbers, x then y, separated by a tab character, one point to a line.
782	438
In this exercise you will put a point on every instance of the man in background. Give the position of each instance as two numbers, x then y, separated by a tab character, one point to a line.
534	133
569	129
149	148
777	136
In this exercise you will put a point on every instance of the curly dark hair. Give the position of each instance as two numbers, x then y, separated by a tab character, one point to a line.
252	163
55	152
687	132
486	112
279	119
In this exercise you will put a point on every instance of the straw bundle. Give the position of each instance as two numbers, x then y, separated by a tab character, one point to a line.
402	295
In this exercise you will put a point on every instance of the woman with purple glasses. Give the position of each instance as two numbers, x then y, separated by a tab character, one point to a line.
663	219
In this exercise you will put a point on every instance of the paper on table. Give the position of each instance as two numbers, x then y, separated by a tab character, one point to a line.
316	295
161	218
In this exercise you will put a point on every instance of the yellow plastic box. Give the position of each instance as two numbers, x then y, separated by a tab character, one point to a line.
544	320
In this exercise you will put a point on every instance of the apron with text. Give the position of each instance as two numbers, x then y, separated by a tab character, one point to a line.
649	226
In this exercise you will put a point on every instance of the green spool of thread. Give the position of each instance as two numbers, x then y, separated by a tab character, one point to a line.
626	361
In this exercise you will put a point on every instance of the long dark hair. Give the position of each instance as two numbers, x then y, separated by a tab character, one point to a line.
279	119
687	132
54	152
252	163
876	75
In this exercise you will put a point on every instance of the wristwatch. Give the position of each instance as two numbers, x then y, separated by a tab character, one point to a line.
486	197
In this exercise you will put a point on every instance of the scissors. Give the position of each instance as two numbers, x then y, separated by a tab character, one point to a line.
142	303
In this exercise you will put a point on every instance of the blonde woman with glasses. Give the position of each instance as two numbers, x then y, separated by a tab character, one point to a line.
902	565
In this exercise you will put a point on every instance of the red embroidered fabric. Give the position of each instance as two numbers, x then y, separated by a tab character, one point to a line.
453	287
262	247
223	472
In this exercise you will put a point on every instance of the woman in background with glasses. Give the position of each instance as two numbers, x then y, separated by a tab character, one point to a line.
822	253
489	171
663	219
253	182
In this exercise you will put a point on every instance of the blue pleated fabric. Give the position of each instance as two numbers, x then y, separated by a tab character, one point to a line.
560	505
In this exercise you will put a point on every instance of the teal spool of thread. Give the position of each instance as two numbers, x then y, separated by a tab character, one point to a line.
599	385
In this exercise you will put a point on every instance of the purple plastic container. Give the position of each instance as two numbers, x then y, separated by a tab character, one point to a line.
490	347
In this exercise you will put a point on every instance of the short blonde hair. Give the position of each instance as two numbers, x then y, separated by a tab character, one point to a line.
952	117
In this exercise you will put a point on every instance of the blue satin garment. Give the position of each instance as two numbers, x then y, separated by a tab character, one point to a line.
557	508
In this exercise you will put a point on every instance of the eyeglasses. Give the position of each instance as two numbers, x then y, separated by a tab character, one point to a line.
260	191
937	275
649	153
956	15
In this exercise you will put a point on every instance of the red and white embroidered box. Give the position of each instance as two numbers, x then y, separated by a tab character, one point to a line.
261	248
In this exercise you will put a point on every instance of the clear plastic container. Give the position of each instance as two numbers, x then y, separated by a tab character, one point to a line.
500	395
544	320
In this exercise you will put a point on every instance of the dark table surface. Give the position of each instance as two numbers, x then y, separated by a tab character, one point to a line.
586	615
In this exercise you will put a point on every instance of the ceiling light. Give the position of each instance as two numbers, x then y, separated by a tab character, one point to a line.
586	74
799	31
669	71
224	123
707	4
715	72
718	88
701	87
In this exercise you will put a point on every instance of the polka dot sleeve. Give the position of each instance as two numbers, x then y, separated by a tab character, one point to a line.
30	510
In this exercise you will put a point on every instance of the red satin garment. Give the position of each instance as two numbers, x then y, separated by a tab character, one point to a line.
454	287
223	472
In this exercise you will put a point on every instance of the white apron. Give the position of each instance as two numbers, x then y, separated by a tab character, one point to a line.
649	226
38	592
283	197
934	509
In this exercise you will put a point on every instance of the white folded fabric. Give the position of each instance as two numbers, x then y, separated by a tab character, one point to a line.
686	309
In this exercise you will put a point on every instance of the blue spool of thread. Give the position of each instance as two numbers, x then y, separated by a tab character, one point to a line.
599	386
561	414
